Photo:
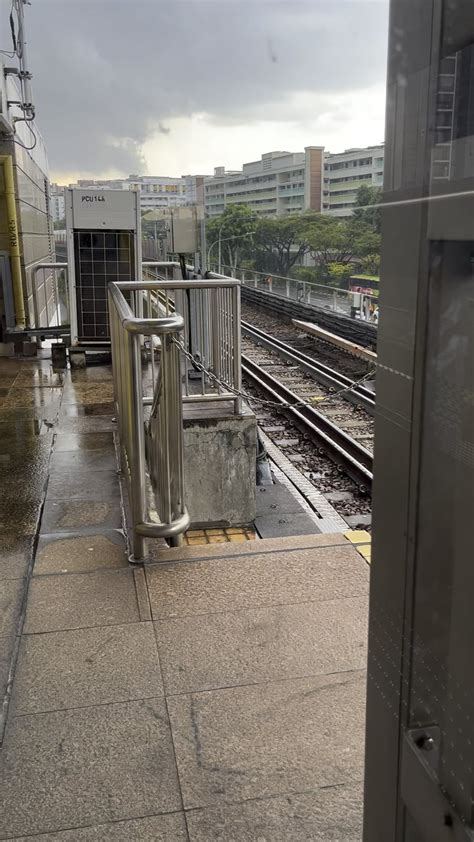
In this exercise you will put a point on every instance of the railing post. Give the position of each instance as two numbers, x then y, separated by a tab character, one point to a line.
138	446
215	321
237	350
163	448
35	296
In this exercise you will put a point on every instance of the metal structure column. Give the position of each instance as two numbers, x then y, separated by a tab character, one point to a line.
420	711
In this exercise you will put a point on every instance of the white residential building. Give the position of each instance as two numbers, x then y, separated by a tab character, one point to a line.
345	172
291	182
278	184
57	202
156	192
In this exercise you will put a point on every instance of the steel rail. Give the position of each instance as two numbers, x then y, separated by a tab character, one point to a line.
360	395
355	459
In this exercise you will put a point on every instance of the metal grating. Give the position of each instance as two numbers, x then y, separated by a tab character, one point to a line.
100	257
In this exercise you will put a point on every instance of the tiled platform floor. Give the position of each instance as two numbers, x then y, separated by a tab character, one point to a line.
232	535
216	695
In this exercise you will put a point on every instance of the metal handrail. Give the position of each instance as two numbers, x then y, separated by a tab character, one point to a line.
160	438
57	318
305	291
211	311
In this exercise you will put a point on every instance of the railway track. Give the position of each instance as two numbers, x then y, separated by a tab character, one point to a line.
286	309
321	372
348	454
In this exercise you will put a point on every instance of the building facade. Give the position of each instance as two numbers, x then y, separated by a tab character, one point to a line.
156	192
291	182
56	198
278	184
345	172
26	229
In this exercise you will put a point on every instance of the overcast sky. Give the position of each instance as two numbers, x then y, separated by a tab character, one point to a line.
168	87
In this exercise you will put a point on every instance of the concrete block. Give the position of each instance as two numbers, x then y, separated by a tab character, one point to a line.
77	359
220	464
29	348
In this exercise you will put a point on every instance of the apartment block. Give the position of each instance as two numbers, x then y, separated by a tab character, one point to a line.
276	185
156	192
345	172
56	199
291	182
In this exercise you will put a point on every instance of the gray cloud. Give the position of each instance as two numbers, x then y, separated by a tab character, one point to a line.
110	73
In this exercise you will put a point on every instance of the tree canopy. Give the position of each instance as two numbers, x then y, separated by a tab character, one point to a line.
331	240
234	229
367	208
277	244
281	242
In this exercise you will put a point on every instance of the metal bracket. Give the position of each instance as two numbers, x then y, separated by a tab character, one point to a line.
430	808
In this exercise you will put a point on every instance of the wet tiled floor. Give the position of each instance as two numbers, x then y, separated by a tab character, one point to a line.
217	694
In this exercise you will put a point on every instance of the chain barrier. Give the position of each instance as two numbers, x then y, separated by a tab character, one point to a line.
196	362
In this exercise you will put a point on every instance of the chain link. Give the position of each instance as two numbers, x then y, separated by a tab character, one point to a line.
196	362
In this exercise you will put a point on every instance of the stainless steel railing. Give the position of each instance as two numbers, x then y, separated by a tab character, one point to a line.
211	338
149	415
343	301
50	295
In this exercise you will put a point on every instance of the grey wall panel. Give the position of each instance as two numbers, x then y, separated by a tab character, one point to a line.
422	581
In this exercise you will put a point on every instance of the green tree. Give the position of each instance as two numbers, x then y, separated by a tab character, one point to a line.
338	241
60	224
371	264
307	274
332	240
367	209
234	228
339	273
329	240
280	243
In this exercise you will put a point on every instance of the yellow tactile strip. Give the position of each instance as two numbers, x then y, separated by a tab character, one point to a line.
362	541
232	534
